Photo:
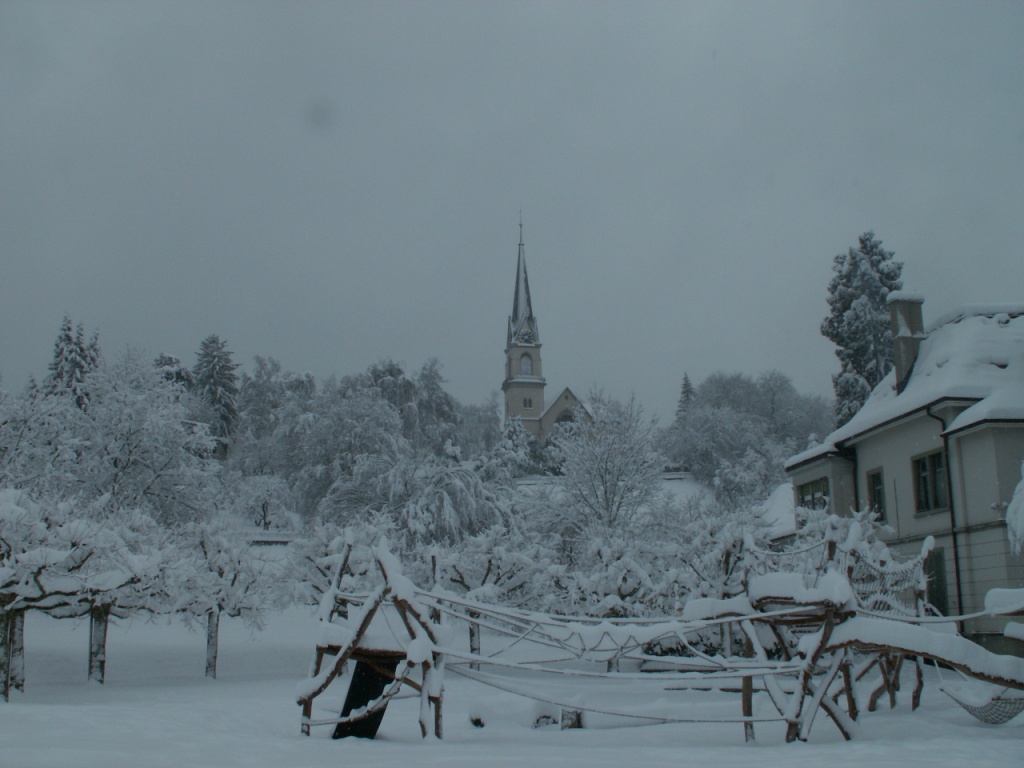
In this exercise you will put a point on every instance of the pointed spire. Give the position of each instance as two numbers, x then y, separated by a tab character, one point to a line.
522	319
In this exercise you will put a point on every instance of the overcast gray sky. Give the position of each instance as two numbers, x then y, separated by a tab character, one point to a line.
335	183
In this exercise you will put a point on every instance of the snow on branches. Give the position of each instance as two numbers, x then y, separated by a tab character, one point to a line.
858	321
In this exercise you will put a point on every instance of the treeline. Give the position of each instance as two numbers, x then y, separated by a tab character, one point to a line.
134	486
734	432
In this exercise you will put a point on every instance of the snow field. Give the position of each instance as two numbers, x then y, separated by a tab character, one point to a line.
157	709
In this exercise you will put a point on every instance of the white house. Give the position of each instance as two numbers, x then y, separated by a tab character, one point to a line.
937	451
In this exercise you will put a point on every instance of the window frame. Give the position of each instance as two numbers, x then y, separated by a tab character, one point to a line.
817	492
874	481
931	489
526	364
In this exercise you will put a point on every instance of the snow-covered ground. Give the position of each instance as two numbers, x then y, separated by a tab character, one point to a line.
157	709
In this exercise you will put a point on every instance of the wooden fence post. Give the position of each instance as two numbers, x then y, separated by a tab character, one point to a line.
748	693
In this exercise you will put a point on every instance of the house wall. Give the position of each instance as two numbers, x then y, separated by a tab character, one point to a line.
989	471
983	464
839	472
1009	453
989	564
892	450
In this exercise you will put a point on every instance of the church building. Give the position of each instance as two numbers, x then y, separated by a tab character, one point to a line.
524	374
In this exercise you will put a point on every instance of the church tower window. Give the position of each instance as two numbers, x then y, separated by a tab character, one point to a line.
526	365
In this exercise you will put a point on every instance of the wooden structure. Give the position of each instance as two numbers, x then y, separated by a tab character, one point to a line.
808	643
384	662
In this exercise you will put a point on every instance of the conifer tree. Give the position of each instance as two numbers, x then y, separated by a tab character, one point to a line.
73	359
216	383
858	321
173	370
685	398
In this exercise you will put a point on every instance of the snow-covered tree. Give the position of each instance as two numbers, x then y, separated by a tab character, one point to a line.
25	532
510	457
76	561
479	426
127	574
174	371
156	457
610	471
751	478
686	394
220	575
714	540
437	411
266	394
264	501
736	430
74	359
273	404
858	321
502	564
424	499
319	442
388	380
136	445
314	560
216	383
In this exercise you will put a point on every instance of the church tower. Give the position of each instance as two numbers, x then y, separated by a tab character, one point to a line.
524	377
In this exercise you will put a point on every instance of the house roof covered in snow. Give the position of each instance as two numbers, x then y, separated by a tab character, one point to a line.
974	355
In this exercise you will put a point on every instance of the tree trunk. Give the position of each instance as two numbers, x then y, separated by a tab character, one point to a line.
474	638
748	694
99	618
17	655
6	624
212	631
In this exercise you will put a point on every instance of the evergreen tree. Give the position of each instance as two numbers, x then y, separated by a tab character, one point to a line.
685	398
858	321
73	359
217	384
174	371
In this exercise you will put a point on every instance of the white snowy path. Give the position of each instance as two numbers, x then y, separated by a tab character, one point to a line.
157	710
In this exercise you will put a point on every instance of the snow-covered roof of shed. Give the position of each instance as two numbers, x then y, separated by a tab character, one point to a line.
975	353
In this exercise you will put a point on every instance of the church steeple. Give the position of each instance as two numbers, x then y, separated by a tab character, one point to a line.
522	325
524	380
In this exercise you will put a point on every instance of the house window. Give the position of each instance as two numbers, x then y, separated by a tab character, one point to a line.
930	491
876	494
526	365
814	495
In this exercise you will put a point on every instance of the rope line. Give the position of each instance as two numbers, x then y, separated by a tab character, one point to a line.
478	677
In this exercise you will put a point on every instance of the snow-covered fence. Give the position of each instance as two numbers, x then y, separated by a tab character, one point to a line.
811	643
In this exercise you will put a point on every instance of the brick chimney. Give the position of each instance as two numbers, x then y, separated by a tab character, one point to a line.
907	332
